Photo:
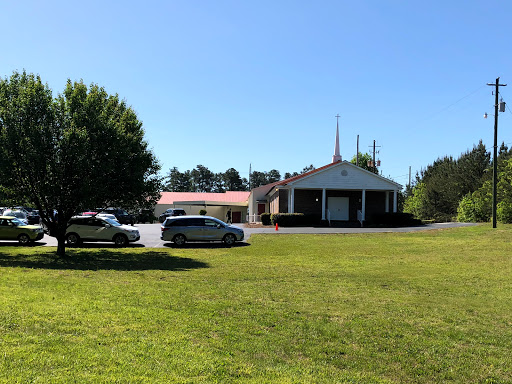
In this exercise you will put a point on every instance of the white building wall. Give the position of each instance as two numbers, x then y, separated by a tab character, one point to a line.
211	210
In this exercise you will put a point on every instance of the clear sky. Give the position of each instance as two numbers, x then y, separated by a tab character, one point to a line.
228	83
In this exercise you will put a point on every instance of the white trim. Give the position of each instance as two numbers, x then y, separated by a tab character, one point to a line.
363	205
399	186
395	201
291	208
387	202
324	194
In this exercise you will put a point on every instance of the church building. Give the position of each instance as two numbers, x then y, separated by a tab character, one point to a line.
339	191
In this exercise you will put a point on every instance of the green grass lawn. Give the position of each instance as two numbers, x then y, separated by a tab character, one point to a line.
427	307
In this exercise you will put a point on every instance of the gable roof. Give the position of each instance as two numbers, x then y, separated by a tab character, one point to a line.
345	163
226	197
298	177
295	179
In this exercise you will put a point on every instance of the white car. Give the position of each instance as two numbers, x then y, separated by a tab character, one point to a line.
86	228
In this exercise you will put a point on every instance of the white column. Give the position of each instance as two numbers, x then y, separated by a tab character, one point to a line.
289	201
323	204
395	200
387	202
363	205
291	209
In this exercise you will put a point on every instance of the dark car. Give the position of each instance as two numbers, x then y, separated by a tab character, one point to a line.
171	212
146	216
121	215
32	215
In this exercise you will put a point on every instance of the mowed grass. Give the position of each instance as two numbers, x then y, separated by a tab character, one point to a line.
427	307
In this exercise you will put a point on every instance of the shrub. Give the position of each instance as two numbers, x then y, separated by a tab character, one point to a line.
296	219
202	212
504	212
265	218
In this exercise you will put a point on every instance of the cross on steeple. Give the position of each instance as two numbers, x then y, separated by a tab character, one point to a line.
337	157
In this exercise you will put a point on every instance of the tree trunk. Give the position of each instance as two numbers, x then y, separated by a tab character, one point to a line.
61	238
61	246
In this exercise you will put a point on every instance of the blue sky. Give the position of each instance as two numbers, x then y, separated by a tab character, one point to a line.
231	83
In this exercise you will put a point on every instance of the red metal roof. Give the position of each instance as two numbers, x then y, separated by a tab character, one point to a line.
226	197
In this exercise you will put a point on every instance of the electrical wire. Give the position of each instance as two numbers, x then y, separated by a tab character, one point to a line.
456	102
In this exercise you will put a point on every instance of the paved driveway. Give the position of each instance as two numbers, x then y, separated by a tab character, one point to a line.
150	233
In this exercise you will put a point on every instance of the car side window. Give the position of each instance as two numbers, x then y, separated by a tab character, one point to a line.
94	223
210	223
191	222
174	223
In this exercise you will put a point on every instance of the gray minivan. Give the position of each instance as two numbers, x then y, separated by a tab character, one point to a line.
180	229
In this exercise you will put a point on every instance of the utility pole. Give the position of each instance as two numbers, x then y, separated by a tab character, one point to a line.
409	177
250	164
374	155
374	164
495	154
357	152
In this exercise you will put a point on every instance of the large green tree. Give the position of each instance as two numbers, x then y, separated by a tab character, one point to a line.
202	179
442	185
81	150
365	160
178	181
233	181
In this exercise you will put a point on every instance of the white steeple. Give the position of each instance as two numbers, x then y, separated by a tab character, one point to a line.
337	157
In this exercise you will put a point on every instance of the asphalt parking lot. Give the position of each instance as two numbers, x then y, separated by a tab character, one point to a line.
150	233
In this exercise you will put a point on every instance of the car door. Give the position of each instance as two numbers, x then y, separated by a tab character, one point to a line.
95	230
193	229
7	230
213	230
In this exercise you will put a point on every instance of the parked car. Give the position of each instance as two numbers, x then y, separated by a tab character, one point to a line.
180	229
107	216
12	228
86	228
171	212
89	213
145	216
32	214
20	215
122	216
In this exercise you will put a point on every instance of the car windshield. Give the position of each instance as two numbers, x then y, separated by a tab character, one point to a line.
18	222
113	223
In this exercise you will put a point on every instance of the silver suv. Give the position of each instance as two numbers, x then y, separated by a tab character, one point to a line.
87	228
180	229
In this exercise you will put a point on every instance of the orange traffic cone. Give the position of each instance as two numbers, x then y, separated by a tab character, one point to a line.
277	226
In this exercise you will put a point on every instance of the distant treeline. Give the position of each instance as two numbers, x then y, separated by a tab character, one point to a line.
201	179
461	188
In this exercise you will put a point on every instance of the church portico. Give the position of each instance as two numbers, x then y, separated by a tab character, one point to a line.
333	204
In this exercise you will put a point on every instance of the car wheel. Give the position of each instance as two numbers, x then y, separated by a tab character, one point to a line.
229	239
179	239
73	239
23	239
120	240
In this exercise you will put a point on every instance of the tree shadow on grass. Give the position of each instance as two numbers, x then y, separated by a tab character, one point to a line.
205	245
100	259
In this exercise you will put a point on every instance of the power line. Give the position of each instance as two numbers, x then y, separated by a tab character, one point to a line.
456	102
